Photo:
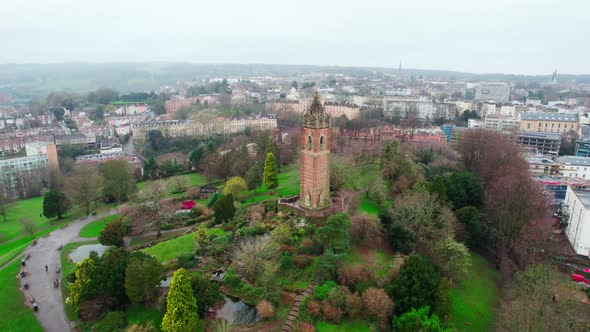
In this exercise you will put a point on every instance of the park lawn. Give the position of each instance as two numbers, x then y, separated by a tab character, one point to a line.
217	231
139	314
12	233
14	314
346	325
191	180
369	206
474	300
94	228
170	249
68	267
288	185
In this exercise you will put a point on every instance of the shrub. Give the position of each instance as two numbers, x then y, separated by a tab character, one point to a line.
418	320
366	230
265	309
337	296
187	260
220	240
378	304
310	247
221	325
192	193
255	253
331	312
442	305
328	266
112	321
353	274
287	261
302	261
321	292
113	233
141	328
314	309
166	226
304	327
353	304
232	280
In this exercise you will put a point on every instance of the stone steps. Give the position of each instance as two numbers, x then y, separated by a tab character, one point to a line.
296	306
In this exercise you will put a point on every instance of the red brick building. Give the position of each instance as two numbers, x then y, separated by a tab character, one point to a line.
315	157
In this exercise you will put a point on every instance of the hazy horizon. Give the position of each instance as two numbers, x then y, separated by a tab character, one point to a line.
523	37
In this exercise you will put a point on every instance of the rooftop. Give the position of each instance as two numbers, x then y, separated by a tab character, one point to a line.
539	134
584	197
573	160
539	116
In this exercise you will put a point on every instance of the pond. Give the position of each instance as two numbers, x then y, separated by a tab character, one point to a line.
166	282
82	252
237	312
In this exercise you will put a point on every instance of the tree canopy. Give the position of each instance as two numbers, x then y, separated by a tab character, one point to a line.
181	305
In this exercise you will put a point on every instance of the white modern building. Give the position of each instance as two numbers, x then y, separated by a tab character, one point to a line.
575	167
577	207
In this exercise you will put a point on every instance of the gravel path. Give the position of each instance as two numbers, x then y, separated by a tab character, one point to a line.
51	309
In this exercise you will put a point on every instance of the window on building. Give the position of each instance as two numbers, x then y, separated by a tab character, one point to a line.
322	143
529	126
309	144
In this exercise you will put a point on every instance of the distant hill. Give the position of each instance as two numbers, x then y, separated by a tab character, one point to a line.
25	80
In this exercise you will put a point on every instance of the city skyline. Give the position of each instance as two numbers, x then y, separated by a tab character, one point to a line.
522	37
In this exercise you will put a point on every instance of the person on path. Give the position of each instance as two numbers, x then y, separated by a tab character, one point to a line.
46	268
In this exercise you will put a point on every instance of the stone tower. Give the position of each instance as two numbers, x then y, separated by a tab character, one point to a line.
315	157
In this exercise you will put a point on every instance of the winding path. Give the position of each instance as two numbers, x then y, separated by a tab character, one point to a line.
51	313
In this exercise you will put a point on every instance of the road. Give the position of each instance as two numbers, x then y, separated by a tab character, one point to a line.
51	313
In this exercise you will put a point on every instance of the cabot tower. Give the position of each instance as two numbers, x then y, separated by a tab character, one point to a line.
315	157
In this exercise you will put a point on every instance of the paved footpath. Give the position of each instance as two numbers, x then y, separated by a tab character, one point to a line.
51	313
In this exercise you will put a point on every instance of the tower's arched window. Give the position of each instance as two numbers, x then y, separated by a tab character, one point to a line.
309	142
322	143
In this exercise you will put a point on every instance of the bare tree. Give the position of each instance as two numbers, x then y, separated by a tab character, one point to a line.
84	187
5	202
151	210
28	226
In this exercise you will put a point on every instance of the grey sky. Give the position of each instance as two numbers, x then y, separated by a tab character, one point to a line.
510	36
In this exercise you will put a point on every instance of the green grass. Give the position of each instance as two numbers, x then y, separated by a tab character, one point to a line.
191	180
344	326
139	314
288	185
68	267
14	315
368	206
217	231
473	301
94	228
163	237
170	249
12	238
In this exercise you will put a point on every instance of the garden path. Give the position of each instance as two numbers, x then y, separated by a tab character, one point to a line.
51	312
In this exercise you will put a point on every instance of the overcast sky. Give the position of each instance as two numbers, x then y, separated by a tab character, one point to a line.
509	36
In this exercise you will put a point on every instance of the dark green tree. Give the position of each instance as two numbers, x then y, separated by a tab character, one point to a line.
151	169
118	180
253	177
335	235
206	292
55	204
418	320
142	277
196	157
271	179
113	233
416	285
224	208
474	227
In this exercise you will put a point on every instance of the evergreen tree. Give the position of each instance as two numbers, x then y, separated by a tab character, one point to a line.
196	157
55	204
334	234
271	179
181	305
150	169
113	233
142	277
416	286
224	208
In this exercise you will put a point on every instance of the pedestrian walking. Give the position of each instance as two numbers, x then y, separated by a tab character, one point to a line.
46	268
